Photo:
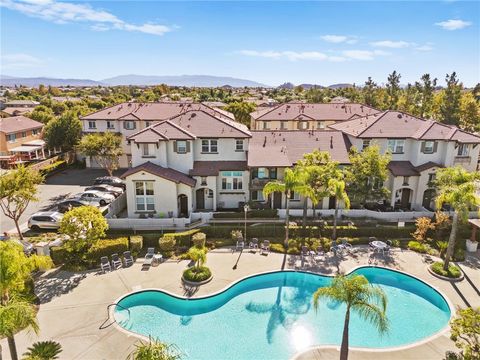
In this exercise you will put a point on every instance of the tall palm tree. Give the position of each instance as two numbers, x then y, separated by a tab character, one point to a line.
368	301
336	187
292	181
16	315
154	350
457	188
43	350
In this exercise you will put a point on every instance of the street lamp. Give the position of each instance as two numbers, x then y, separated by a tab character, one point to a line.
245	209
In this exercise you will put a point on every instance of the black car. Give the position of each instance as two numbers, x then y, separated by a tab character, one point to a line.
67	205
110	180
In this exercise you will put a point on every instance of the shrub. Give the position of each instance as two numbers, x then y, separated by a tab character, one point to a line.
465	332
417	247
279	248
236	234
167	244
452	272
424	225
59	255
106	247
459	254
52	167
199	240
183	238
136	244
195	274
257	214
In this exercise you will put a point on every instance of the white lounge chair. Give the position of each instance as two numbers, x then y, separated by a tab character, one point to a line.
319	254
128	258
149	256
240	245
105	264
346	245
254	244
265	247
116	262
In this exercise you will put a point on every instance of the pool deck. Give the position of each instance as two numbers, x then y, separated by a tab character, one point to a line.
73	308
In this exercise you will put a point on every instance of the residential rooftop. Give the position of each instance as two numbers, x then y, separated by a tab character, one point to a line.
15	124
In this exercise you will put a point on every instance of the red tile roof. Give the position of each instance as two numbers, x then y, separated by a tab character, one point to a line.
15	124
285	148
165	130
406	168
166	173
212	168
330	111
397	124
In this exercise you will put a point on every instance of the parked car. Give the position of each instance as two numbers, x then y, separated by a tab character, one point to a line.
28	248
96	196
69	204
110	180
45	220
115	191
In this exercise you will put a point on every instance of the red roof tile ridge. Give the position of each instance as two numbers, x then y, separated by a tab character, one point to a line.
430	125
373	122
180	128
96	112
272	109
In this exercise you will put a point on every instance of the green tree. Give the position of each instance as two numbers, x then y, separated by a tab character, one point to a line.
465	331
368	301
104	148
450	107
43	350
469	112
64	132
198	256
408	100
370	93
241	111
393	90
292	181
366	175
154	350
42	114
426	88
17	189
457	188
336	188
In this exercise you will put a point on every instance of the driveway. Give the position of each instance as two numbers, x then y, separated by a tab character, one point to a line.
55	189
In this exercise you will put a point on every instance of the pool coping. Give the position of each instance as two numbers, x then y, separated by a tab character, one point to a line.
443	331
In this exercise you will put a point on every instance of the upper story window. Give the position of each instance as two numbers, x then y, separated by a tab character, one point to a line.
144	196
431	178
429	147
181	146
92	124
210	146
238	145
146	150
283	125
110	125
232	180
11	138
266	125
303	125
396	146
203	180
294	196
264	173
35	131
129	125
463	150
148	123
365	143
24	134
320	125
406	179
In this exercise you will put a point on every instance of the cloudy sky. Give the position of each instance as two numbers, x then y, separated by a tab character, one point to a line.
270	42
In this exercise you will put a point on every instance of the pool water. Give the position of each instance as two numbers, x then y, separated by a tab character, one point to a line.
271	316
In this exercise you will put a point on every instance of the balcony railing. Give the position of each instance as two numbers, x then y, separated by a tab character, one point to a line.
462	159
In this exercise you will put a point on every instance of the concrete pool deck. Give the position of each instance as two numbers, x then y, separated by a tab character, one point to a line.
73	308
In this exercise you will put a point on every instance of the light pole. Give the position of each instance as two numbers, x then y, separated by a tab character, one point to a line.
245	209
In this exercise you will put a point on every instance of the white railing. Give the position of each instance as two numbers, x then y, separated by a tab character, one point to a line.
148	224
116	206
203	216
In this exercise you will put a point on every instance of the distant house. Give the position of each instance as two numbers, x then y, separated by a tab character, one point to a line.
22	103
20	140
18	107
303	116
63	99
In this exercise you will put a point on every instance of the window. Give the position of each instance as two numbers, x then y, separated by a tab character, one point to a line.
294	196
396	146
320	125
181	146
110	125
24	134
210	194
365	143
405	180
209	146
283	125
428	147
303	125
35	131
262	173
11	138
144	200
257	195
232	180
129	125
266	125
92	124
203	180
146	150
463	150
431	178
272	173
148	123
238	145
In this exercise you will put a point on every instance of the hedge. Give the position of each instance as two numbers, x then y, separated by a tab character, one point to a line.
107	248
183	238
136	244
167	244
381	232
252	214
261	230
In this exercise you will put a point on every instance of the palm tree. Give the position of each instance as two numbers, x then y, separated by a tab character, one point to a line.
154	350
336	187
292	181
16	315
43	350
198	256
359	295
457	188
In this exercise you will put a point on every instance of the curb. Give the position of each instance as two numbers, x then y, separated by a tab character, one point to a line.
192	283
441	277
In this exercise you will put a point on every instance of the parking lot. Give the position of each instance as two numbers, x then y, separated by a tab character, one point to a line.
55	189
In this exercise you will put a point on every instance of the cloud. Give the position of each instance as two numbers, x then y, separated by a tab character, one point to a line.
65	12
364	55
427	47
391	44
336	39
452	24
19	61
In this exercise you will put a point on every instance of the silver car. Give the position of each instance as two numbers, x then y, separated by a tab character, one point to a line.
96	196
45	220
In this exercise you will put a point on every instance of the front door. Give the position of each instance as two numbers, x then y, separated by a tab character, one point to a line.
331	202
405	198
183	206
200	199
277	200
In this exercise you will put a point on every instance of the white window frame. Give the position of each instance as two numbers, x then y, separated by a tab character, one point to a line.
394	145
294	196
303	125
110	125
259	196
428	149
239	145
209	146
92	124
129	122
320	124
35	131
148	123
145	201
11	138
365	143
266	125
146	150
232	180
463	150
181	146
283	125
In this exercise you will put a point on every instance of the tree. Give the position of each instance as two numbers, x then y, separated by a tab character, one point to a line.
368	301
426	88
469	113
198	256
241	111
370	93
154	350
43	350
42	114
64	132
408	100
366	175
17	189
292	181
393	90
465	331
104	148
450	107
457	188
336	187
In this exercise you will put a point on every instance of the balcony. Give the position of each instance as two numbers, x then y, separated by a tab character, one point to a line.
462	160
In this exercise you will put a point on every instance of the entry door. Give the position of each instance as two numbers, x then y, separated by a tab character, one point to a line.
200	199
183	206
405	198
331	202
277	200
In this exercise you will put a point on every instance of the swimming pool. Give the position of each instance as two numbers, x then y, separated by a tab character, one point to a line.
271	316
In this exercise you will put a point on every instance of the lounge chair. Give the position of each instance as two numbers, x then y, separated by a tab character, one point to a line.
116	262
240	245
305	251
254	244
336	248
105	264
386	250
319	254
128	258
346	245
370	240
265	247
149	256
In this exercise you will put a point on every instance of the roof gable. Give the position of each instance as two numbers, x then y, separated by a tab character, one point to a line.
165	173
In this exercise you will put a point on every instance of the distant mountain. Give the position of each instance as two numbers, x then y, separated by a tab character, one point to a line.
340	86
287	85
181	80
6	80
310	86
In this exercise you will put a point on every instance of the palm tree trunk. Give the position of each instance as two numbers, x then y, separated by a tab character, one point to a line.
13	348
344	347
335	216
451	241
20	235
287	216
305	209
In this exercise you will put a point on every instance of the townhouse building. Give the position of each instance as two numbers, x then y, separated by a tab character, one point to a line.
304	116
128	118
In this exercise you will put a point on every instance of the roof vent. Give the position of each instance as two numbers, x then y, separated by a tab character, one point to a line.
331	142
283	139
264	141
399	116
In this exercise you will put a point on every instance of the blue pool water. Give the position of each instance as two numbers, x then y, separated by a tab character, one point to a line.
271	316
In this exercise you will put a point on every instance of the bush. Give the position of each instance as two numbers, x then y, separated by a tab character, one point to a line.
199	240
59	255
167	244
106	247
381	232
183	238
453	271
195	274
276	247
136	244
252	214
52	167
236	235
267	231
417	247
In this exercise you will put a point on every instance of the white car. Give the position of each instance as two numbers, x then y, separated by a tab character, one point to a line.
45	220
96	196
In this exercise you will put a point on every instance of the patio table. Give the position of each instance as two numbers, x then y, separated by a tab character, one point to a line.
379	245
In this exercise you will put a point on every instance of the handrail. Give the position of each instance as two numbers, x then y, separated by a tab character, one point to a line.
112	304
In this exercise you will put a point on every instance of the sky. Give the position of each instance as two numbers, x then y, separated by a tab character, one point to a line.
270	42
